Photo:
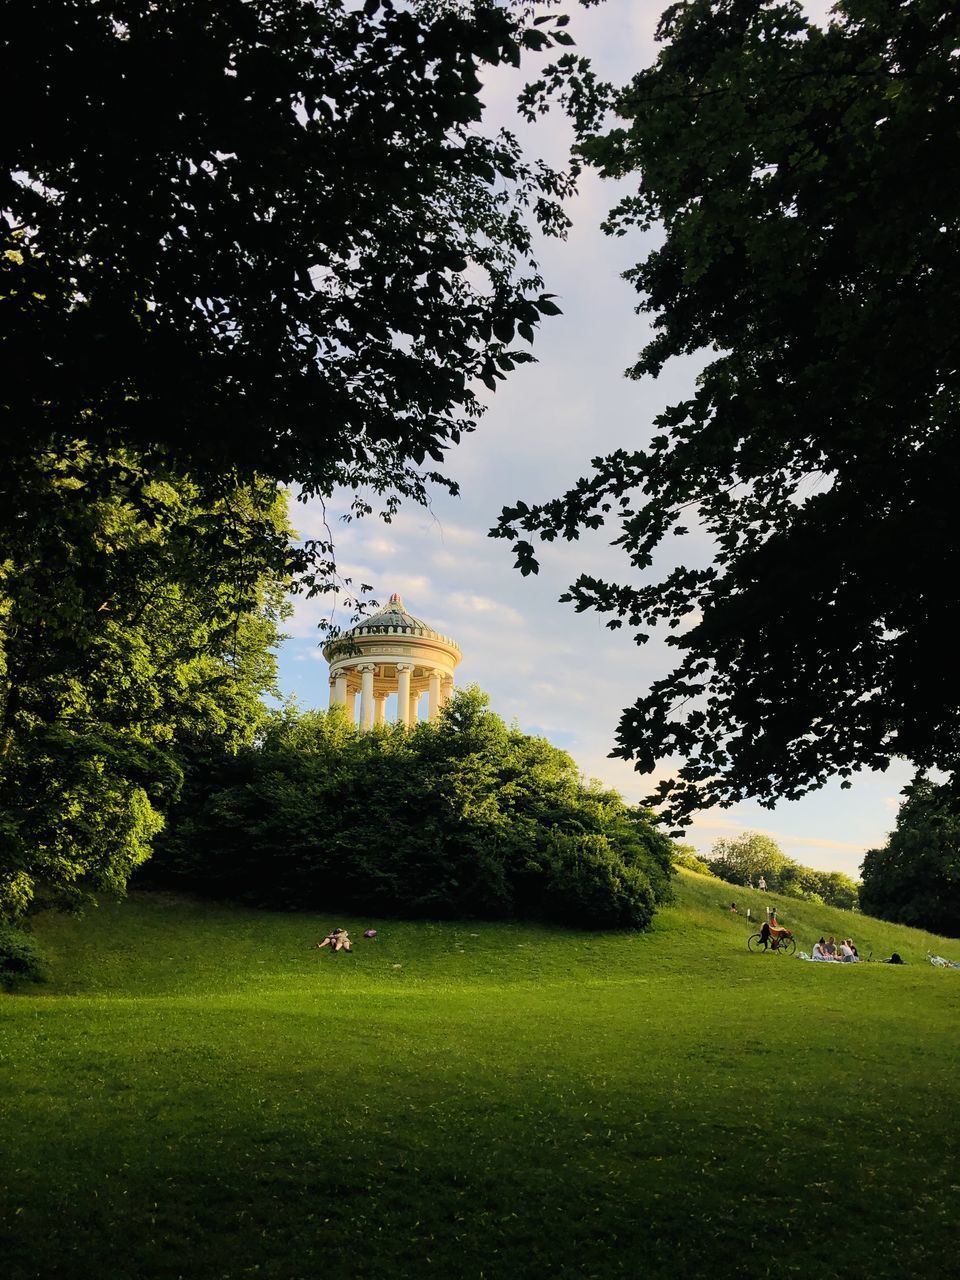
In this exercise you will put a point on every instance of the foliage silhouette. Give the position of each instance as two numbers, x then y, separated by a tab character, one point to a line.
259	237
807	183
915	877
241	243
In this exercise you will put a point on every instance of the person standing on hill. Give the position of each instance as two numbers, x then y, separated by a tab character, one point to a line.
762	885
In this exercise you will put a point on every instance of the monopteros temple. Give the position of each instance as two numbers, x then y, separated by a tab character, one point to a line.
391	652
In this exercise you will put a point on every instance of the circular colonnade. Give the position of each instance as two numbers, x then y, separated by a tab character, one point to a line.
391	652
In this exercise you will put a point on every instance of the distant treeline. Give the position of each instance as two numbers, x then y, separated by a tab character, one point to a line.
749	857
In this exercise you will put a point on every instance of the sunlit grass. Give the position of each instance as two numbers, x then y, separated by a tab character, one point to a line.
199	1094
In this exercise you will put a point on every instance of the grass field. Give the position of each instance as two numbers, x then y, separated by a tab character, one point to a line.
197	1094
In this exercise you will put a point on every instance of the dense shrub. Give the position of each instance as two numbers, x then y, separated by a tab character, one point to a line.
586	884
20	959
915	878
460	818
76	817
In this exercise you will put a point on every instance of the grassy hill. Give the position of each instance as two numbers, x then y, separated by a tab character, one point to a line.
197	1093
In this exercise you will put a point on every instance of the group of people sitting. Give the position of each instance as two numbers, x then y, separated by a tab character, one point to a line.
828	949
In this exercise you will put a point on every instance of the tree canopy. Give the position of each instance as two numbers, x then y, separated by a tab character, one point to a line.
242	243
807	183
265	236
915	877
136	623
465	817
744	859
747	857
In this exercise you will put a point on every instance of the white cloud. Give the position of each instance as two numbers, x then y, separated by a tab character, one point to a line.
491	610
411	584
727	827
381	547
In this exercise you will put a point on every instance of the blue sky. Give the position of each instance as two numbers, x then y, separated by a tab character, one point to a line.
558	673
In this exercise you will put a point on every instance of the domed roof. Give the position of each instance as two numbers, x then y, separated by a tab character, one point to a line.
393	619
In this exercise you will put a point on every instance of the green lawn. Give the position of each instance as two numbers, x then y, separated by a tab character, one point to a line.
196	1093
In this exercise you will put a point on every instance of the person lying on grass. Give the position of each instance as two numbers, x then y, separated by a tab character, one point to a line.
337	940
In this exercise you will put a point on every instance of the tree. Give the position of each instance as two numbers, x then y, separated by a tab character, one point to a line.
241	243
685	855
838	890
744	859
465	817
265	236
807	185
136	622
747	857
915	877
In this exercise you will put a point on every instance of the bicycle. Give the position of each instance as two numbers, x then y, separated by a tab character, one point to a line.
785	945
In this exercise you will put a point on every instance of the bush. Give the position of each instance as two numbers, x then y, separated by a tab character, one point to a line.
460	818
685	855
75	816
589	885
20	958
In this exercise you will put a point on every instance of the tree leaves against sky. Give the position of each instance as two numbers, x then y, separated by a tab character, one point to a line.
808	185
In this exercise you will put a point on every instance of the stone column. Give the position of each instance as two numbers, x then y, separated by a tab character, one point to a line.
339	694
380	709
366	670
414	709
433	704
404	671
351	705
446	690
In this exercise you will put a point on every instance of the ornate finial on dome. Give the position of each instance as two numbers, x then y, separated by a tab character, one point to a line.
396	599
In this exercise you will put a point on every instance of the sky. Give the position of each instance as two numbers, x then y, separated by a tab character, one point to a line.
557	673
